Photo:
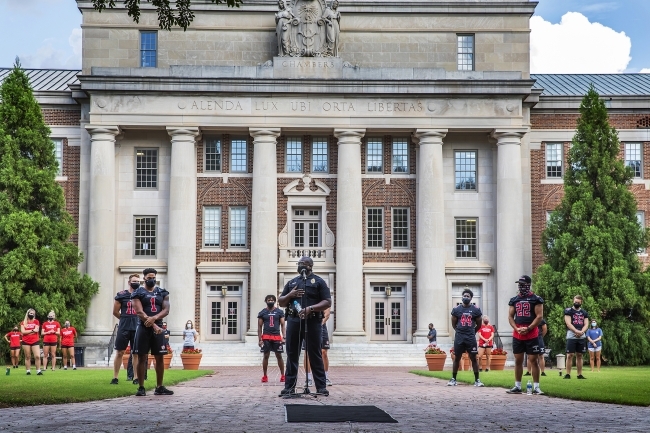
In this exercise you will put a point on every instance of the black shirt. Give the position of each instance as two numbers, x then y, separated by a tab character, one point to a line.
466	319
316	290
271	319
128	318
525	308
152	302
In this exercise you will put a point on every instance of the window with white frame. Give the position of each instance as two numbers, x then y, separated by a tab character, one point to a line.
400	155
400	227
465	170
146	168
238	156
466	238
306	228
237	236
375	227
294	155
375	155
319	155
634	158
553	160
145	236
640	217
58	154
465	52
212	226
212	155
148	48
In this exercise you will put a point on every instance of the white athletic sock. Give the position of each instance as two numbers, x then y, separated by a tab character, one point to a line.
309	376
38	371
535	385
327	375
518	384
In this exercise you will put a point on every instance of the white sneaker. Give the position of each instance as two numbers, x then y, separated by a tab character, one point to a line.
65	368
74	367
310	382
328	382
478	383
537	391
452	382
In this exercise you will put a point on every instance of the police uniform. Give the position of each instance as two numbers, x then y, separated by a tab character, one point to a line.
316	290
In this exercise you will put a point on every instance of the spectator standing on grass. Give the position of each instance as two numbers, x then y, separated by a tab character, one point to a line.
13	337
51	330
68	334
189	335
432	335
595	337
577	322
29	327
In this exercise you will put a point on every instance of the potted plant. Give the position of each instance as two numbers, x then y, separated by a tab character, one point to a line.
464	361
498	361
191	358
436	357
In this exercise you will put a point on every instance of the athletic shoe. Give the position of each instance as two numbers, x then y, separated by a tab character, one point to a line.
580	376
287	392
543	374
114	382
74	367
328	382
486	370
567	376
135	382
452	382
161	390
537	391
310	382
141	392
514	390
29	372
265	379
527	374
323	391
478	383
282	378
129	379
480	370
65	368
40	373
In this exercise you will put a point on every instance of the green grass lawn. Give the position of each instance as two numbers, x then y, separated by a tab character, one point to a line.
72	386
619	385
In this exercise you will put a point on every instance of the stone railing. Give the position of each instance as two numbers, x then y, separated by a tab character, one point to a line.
317	254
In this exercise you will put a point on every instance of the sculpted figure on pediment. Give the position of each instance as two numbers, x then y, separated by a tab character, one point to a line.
283	19
307	28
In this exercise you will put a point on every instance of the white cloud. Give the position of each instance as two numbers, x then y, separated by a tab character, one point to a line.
644	71
577	46
47	56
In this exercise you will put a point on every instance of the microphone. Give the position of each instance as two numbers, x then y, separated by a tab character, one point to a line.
304	274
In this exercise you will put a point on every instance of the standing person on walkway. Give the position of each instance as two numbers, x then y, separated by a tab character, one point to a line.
189	335
432	336
577	322
68	334
305	297
543	329
485	343
595	337
29	328
151	305
51	330
466	320
324	346
271	330
13	337
526	311
124	311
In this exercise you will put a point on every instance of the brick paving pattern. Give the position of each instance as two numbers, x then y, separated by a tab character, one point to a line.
234	400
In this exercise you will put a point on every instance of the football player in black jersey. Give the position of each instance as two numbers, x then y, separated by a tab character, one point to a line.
577	323
124	311
466	320
151	305
271	331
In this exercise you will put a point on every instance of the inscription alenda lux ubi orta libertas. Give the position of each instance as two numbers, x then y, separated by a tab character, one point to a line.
306	106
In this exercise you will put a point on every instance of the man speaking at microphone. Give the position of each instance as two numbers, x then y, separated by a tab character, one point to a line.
305	298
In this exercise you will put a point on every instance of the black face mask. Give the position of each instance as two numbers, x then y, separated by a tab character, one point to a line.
50	318
270	304
150	282
524	290
135	285
466	301
30	316
15	329
577	305
67	325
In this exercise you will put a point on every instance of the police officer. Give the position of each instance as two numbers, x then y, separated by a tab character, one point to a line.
313	297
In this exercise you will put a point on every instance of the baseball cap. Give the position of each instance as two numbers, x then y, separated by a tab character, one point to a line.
524	279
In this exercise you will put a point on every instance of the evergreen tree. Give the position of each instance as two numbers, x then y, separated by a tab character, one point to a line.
38	263
591	244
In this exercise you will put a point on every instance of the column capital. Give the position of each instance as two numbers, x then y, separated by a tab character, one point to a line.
349	135
103	132
183	133
264	132
511	136
429	136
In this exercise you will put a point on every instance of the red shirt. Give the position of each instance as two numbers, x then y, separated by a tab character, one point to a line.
48	327
67	336
30	338
485	331
14	338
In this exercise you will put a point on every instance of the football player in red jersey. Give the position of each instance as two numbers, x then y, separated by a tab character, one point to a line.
13	337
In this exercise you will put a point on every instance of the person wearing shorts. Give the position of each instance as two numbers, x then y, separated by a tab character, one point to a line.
466	320
124	311
485	343
270	332
68	334
51	330
29	328
577	322
13	337
595	346
189	335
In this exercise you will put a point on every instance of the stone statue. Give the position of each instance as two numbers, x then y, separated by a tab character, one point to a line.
332	18
283	19
307	28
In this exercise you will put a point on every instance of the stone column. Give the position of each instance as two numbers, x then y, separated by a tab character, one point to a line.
432	291
181	251
510	222
101	227
264	222
349	238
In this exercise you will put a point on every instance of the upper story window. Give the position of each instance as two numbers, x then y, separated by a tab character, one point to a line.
146	168
634	158
212	155
58	154
212	226
294	155
148	49
375	227
400	155
400	227
466	238
306	228
465	52
465	166
319	155
238	156
375	156
237	235
145	236
553	160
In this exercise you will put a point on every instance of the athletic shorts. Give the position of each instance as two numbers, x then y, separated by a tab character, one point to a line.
530	347
67	347
272	346
325	339
123	338
576	345
188	347
50	344
595	349
31	344
146	339
14	348
462	345
486	347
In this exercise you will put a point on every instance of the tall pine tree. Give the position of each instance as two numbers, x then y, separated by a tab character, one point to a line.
38	263
591	244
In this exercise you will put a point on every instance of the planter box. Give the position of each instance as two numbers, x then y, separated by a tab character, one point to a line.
436	362
498	362
191	361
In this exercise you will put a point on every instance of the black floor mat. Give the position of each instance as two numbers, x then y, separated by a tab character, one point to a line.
317	413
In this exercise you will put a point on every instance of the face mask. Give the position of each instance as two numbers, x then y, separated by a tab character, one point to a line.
50	318
270	304
466	301
135	285
188	326
524	290
577	305
30	316
15	329
151	282
67	325
486	322
593	324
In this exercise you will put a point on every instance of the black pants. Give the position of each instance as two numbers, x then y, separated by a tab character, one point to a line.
295	336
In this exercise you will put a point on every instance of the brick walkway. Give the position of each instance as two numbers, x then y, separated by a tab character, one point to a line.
233	400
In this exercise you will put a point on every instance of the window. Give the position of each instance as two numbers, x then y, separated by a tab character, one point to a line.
375	156
400	227
238	157
238	226
319	157
212	154
148	48
294	155
466	239
400	155
145	236
212	226
146	168
633	158
375	227
465	164
553	160
465	52
58	154
306	228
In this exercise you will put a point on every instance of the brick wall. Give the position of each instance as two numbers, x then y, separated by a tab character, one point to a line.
71	170
61	117
570	121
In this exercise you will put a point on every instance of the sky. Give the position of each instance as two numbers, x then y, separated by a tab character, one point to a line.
567	36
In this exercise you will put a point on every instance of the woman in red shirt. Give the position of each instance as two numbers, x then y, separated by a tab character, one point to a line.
68	334
51	330
485	342
13	338
29	328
